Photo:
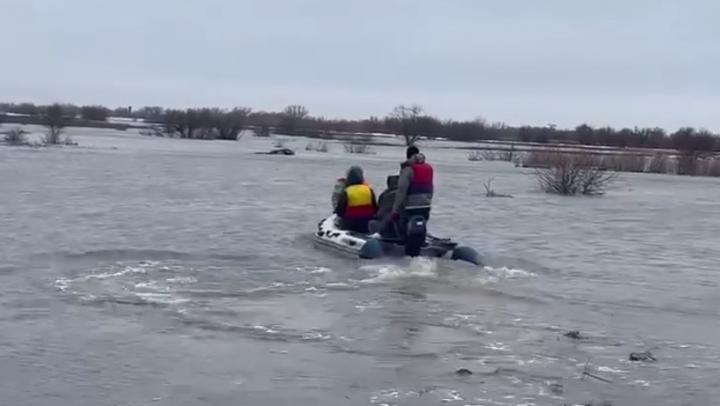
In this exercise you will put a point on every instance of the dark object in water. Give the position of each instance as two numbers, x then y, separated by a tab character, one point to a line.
279	151
642	356
463	372
575	335
556	388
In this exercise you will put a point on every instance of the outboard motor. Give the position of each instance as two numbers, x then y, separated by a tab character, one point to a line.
416	234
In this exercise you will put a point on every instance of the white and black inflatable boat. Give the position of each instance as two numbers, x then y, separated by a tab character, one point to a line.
373	246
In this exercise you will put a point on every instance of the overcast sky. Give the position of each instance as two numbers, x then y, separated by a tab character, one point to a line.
609	62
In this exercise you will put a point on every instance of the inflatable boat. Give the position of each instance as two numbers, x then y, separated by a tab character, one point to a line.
372	246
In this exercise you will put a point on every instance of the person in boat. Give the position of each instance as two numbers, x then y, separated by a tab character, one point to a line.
415	187
382	223
356	205
338	189
387	198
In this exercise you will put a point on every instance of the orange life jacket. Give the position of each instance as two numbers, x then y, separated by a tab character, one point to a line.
359	202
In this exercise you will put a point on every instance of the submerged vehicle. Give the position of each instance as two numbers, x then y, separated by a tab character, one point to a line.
372	246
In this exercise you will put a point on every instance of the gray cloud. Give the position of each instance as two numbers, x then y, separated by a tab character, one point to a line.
524	62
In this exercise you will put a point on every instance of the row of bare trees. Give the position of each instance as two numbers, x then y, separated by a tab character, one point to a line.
206	123
409	121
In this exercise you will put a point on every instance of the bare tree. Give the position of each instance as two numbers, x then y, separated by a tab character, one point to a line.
54	120
262	131
16	136
229	124
292	116
175	123
570	174
405	120
151	113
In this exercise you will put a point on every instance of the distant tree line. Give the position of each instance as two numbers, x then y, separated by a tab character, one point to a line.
411	122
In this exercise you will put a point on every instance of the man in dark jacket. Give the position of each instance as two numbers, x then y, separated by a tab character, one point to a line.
356	205
386	201
415	186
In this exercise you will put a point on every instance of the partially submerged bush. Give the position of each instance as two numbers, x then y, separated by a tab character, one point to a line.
491	155
262	131
475	156
709	167
623	162
16	136
490	192
570	174
687	163
153	131
321	146
659	163
356	147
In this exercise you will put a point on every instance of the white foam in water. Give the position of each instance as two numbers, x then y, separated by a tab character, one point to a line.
313	269
161	298
62	284
265	329
127	270
508	273
610	370
151	285
497	346
338	285
418	267
451	396
182	280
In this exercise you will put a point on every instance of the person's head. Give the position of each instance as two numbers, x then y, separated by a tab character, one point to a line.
355	176
410	151
392	182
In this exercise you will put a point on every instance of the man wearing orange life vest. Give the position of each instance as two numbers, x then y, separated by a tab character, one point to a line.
356	205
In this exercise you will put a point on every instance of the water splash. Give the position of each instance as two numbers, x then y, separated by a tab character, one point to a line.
418	267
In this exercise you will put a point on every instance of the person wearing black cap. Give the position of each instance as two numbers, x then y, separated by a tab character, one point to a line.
415	186
413	200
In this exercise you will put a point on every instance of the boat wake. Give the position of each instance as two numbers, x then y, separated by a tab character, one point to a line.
419	267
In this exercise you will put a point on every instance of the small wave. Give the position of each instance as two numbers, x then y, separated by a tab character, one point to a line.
160	298
316	336
339	286
62	284
497	347
609	370
108	275
123	254
314	270
182	280
153	285
418	268
265	329
508	273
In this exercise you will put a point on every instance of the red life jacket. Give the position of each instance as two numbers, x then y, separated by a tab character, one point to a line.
422	179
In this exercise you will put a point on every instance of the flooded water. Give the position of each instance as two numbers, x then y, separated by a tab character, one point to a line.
139	271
